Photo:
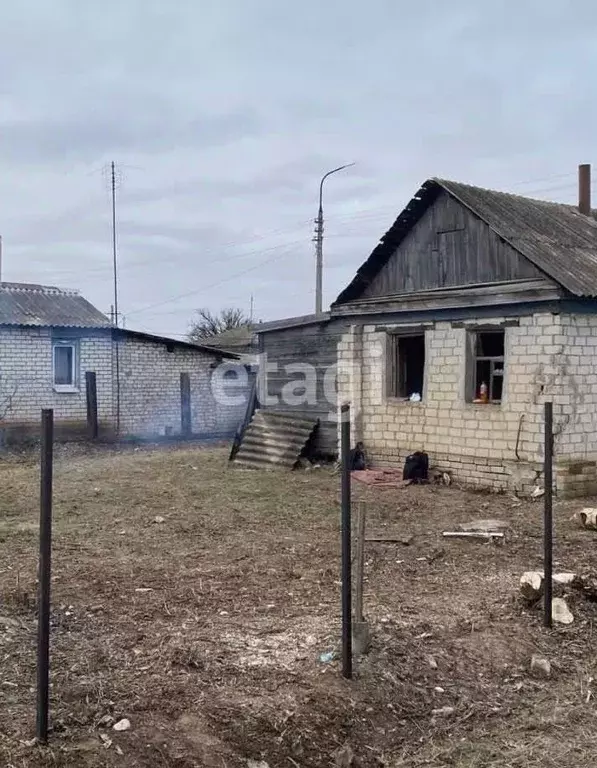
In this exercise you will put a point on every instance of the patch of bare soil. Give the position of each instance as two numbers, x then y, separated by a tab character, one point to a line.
195	601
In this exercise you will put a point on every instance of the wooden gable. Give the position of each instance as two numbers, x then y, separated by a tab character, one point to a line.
449	246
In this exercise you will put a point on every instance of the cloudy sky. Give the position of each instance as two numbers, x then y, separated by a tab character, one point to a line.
222	115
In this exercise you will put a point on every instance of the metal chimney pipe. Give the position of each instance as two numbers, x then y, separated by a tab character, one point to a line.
584	189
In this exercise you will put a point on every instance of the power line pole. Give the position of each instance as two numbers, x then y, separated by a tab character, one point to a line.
251	311
318	239
115	320
114	251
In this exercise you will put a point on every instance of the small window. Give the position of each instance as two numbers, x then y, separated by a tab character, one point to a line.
406	366
485	374
230	375
64	365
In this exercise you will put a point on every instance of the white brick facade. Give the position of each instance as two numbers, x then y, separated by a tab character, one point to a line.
496	445
150	399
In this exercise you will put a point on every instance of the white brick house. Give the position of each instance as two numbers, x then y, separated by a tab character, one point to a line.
475	308
50	338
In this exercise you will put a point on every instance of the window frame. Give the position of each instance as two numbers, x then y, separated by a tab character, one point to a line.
472	360
393	365
62	344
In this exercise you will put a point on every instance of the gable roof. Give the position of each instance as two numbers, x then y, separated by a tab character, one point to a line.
556	238
42	305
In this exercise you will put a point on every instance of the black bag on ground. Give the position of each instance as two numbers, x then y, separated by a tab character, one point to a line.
416	467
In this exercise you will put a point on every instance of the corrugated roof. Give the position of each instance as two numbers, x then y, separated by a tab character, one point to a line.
557	238
42	305
127	333
291	322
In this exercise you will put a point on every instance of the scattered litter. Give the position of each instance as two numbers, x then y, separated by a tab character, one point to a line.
538	491
439	689
327	657
159	519
30	742
540	667
560	611
119	750
443	711
144	589
381	478
432	662
122	725
106	740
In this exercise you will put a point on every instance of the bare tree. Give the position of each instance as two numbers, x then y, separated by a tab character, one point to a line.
207	324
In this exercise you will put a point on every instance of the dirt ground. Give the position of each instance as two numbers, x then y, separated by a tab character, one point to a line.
205	630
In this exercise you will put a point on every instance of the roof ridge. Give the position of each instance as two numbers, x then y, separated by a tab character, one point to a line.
48	290
514	195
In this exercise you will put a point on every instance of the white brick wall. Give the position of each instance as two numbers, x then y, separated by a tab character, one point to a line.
547	357
149	390
26	368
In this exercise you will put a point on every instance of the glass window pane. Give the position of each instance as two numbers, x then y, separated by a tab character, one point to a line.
482	376
497	385
490	344
63	365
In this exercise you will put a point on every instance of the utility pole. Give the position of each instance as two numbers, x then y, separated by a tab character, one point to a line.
319	243
251	311
114	252
115	320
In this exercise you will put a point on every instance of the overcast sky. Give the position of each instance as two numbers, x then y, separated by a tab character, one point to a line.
222	115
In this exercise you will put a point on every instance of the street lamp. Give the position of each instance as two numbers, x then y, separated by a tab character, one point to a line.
319	241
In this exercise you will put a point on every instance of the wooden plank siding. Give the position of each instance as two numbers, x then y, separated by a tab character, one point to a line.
449	246
315	345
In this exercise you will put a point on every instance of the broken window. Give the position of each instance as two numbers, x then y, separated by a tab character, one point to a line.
406	366
485	366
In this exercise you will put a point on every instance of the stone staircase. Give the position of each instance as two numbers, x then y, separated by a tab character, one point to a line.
274	439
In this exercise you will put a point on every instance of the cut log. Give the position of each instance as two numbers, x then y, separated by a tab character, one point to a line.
587	518
531	585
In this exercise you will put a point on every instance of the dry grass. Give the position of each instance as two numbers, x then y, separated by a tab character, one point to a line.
205	630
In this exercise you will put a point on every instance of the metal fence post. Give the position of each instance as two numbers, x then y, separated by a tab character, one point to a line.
346	544
548	515
45	555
